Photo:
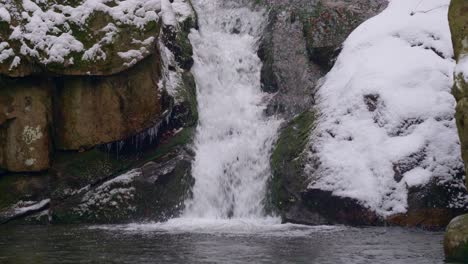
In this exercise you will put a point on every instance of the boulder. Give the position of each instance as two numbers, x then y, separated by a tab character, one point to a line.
325	25
456	239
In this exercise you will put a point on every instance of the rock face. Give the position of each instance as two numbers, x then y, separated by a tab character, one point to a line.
458	18
98	100
95	110
320	27
300	44
25	119
456	236
77	75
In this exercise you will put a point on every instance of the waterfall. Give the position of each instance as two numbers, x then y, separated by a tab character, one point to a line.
234	138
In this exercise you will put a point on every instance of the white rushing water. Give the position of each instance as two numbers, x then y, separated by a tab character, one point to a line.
234	138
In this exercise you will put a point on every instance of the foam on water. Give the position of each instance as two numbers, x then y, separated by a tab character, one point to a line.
225	227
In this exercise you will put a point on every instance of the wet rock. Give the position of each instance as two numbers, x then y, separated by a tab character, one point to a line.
338	210
153	191
456	239
22	195
106	128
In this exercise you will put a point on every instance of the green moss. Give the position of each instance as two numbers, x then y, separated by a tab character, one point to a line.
458	18
187	115
182	138
287	160
183	50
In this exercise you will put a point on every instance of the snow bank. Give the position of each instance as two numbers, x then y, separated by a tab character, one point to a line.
387	114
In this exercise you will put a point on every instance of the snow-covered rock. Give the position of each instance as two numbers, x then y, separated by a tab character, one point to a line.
86	37
386	114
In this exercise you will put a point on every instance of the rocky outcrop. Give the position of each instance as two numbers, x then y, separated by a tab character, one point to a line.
154	189
115	127
456	236
89	74
300	44
314	36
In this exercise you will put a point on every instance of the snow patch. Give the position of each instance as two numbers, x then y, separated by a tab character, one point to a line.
16	61
114	193
5	51
29	162
133	56
171	73
31	134
5	15
417	177
23	207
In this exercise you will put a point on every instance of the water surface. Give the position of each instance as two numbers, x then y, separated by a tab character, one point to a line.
223	242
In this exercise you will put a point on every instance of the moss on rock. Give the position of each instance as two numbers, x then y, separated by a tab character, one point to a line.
456	239
458	18
287	162
160	184
94	37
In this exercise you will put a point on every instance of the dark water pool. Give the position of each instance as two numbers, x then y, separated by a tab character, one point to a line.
223	243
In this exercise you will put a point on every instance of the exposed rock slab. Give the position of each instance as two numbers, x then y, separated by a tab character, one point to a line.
25	118
95	110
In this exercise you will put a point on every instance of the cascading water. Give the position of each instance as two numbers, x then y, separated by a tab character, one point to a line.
234	137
